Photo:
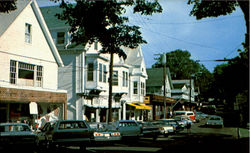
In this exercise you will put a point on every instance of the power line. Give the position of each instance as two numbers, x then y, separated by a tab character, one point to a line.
198	22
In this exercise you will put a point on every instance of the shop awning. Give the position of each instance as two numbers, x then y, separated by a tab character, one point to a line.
146	106
140	106
136	106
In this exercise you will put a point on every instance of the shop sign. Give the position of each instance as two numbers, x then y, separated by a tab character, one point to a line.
33	108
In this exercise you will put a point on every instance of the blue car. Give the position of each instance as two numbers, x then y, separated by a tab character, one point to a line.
215	121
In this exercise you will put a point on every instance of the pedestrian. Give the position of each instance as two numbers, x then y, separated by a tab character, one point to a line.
188	128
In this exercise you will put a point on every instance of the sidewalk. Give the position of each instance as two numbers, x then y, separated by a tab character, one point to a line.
244	133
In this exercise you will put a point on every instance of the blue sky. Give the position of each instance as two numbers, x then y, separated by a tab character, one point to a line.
206	39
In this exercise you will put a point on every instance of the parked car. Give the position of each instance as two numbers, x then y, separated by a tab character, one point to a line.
150	130
182	122
166	128
66	133
128	128
215	121
104	132
174	123
17	135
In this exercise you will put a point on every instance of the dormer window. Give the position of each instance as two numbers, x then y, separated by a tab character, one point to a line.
96	45
60	37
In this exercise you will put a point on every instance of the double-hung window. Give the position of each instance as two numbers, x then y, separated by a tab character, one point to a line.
135	87
13	71
60	37
26	74
90	76
123	78
100	72
115	78
142	88
27	33
104	73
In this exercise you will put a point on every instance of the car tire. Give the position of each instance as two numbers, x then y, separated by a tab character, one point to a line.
82	148
155	137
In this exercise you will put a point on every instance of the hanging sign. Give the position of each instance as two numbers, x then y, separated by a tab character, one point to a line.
33	108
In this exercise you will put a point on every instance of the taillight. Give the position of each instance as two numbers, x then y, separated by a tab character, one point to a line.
96	134
116	134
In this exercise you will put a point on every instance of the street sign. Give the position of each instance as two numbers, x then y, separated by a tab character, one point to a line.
33	108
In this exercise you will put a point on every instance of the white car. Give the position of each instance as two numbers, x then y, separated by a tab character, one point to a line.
166	129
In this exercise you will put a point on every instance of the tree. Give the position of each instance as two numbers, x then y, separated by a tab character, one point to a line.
104	21
215	8
182	67
7	6
180	64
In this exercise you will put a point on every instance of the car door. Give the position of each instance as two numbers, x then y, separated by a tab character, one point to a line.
129	129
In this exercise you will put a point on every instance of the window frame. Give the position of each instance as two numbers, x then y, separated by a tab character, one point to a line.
28	33
59	39
16	67
115	80
135	87
90	73
100	73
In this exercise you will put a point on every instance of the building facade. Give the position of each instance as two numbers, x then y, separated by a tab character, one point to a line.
155	92
85	76
29	67
184	93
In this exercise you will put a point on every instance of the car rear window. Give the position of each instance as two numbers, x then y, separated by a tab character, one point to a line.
14	128
72	125
190	113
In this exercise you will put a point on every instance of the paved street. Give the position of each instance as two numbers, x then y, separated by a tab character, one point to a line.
200	139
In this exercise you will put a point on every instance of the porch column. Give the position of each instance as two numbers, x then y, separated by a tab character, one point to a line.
97	114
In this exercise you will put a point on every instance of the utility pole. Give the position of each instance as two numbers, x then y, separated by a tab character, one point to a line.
109	112
164	62
190	90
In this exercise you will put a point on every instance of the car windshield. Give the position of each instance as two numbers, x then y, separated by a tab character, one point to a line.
14	128
72	125
103	127
179	113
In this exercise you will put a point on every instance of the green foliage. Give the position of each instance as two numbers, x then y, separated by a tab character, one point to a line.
7	6
213	8
231	79
182	67
180	64
104	21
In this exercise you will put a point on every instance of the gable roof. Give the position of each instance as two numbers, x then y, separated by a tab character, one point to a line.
155	77
8	18
49	16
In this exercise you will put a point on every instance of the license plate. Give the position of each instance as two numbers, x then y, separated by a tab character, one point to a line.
106	135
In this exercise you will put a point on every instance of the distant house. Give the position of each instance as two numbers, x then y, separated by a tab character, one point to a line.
184	93
155	92
135	105
29	67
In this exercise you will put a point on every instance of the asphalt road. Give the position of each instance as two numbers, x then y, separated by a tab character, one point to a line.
199	139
